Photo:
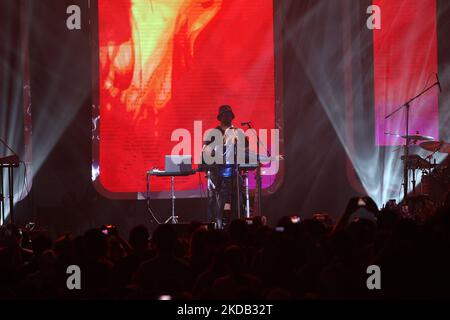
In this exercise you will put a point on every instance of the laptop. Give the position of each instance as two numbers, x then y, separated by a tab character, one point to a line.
178	164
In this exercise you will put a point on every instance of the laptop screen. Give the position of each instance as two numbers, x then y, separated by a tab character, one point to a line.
177	163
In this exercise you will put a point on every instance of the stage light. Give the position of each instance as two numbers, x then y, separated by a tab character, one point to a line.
335	70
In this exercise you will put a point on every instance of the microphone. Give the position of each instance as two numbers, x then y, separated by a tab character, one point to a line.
246	123
438	82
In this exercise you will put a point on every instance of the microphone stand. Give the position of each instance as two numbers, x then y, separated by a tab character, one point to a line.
407	107
258	170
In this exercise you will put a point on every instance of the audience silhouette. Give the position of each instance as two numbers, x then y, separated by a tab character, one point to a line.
307	259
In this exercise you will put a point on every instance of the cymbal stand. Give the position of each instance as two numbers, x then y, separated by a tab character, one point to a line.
407	107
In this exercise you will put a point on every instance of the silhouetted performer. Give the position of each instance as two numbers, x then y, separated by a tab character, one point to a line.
222	204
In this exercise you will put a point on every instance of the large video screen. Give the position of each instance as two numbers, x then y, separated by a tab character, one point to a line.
164	64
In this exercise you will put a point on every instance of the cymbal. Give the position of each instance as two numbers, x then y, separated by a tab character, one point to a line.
418	137
436	146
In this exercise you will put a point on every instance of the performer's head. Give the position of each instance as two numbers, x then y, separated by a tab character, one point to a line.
225	115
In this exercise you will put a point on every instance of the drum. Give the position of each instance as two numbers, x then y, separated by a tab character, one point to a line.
435	186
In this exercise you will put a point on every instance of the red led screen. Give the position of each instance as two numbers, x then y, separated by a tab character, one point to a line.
167	63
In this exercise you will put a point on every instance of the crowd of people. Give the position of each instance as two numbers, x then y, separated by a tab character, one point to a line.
296	259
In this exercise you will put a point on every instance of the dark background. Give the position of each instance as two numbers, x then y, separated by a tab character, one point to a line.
62	197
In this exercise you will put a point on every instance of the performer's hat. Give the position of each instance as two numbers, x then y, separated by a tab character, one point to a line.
223	110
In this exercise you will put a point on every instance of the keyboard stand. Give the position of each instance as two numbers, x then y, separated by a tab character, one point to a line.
9	168
173	219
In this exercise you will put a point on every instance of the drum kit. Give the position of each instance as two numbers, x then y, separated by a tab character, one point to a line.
435	177
413	162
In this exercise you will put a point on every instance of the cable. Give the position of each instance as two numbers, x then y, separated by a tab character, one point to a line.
149	208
